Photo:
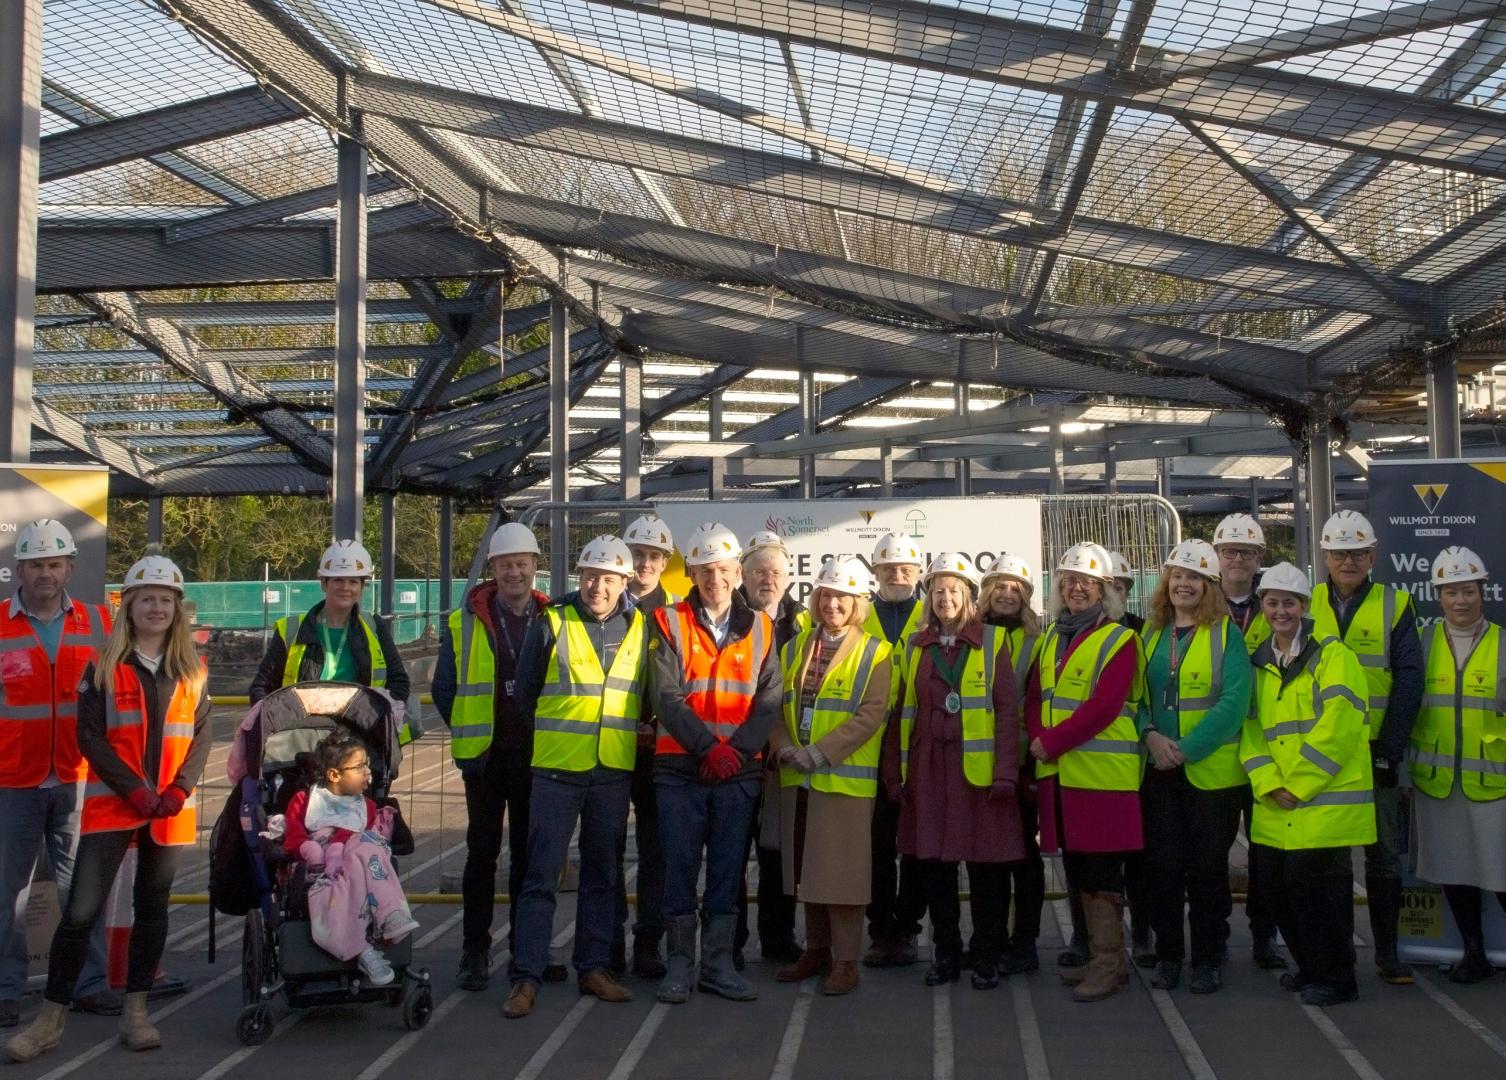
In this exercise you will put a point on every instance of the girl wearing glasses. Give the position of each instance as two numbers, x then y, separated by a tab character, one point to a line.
356	901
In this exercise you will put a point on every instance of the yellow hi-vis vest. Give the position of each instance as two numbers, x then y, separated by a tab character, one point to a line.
471	715
1110	761
1259	630
977	693
287	629
841	692
1200	683
585	715
1462	724
1022	651
874	628
1309	737
1370	639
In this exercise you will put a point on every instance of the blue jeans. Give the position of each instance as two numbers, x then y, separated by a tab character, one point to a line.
599	801
715	818
34	817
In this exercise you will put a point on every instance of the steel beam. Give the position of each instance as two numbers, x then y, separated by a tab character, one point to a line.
1443	406
20	130
154	524
1319	486
630	450
270	210
105	449
446	554
349	459
716	467
1057	447
960	401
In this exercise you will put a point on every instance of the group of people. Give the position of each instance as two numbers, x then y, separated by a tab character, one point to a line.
913	716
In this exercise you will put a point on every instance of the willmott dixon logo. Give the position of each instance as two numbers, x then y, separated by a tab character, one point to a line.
1431	495
867	516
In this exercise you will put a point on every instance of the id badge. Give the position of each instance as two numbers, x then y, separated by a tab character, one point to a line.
507	686
1169	697
807	719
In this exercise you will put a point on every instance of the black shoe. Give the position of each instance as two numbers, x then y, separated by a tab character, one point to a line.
943	969
104	1003
617	962
648	961
1142	947
985	974
781	950
1392	970
1293	981
10	1013
556	973
1265	955
1168	975
1074	955
1472	967
475	969
1323	995
1206	979
1020	959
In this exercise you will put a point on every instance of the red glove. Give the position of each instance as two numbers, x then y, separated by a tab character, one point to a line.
170	800
143	801
720	763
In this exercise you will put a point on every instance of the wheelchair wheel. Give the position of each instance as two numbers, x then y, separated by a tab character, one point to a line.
418	1005
254	1025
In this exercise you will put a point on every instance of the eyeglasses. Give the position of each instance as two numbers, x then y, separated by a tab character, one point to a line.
365	766
1233	554
1351	556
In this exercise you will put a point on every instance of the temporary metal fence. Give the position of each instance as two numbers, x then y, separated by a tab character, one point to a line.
1142	528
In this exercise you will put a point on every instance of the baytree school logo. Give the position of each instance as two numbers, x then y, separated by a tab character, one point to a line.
916	520
1431	495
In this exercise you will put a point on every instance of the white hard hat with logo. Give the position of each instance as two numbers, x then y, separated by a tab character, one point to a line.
1122	568
1013	568
1284	577
606	553
1458	564
1090	559
1195	555
45	539
711	543
765	540
1239	529
1348	530
154	570
650	531
513	538
954	563
846	576
896	549
345	558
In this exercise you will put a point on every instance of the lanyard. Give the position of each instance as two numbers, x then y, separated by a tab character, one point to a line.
331	657
502	613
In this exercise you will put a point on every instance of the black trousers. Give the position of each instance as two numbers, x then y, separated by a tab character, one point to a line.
1188	833
1468	906
776	911
1260	907
1314	893
94	869
501	788
650	888
1025	880
987	883
898	900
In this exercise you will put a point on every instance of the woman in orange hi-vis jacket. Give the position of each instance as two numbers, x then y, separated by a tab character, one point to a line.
143	727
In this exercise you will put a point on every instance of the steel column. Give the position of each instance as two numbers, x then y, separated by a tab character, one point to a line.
1255	496
716	467
886	469
154	524
447	551
1301	537
1163	477
1058	484
388	556
559	441
20	133
630	451
350	340
807	419
960	398
1110	470
1319	486
1444	440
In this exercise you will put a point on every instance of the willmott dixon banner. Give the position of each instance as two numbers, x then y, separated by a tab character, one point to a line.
76	495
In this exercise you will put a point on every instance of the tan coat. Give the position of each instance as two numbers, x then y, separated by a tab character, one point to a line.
837	864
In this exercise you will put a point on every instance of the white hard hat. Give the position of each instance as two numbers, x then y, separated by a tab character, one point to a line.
1195	555
345	558
45	539
711	542
1239	529
1458	564
764	540
606	553
1348	530
1012	567
154	570
513	538
1090	559
1122	569
954	563
650	531
1284	577
896	549
847	576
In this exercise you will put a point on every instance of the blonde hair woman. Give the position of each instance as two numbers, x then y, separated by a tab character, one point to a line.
143	726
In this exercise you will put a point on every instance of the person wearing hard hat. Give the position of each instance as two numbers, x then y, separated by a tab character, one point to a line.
1458	756
1005	602
1240	543
1304	748
714	672
475	694
1086	681
651	542
899	901
336	641
143	727
836	702
952	763
1379	622
580	685
1124	581
766	565
1197	683
47	638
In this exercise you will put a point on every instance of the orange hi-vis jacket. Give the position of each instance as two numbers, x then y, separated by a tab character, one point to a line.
126	729
720	684
39	697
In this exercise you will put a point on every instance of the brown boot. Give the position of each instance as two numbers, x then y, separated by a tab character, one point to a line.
842	980
600	984
812	962
44	1034
136	1031
1107	970
520	1001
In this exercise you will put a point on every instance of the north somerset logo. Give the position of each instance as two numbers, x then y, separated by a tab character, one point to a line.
1431	495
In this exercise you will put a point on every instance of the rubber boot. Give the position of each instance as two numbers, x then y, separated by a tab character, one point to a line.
136	1031
1474	966
1465	903
1075	955
674	988
1107	970
718	971
44	1034
1385	909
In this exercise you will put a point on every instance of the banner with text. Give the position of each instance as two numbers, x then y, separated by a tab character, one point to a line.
76	495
